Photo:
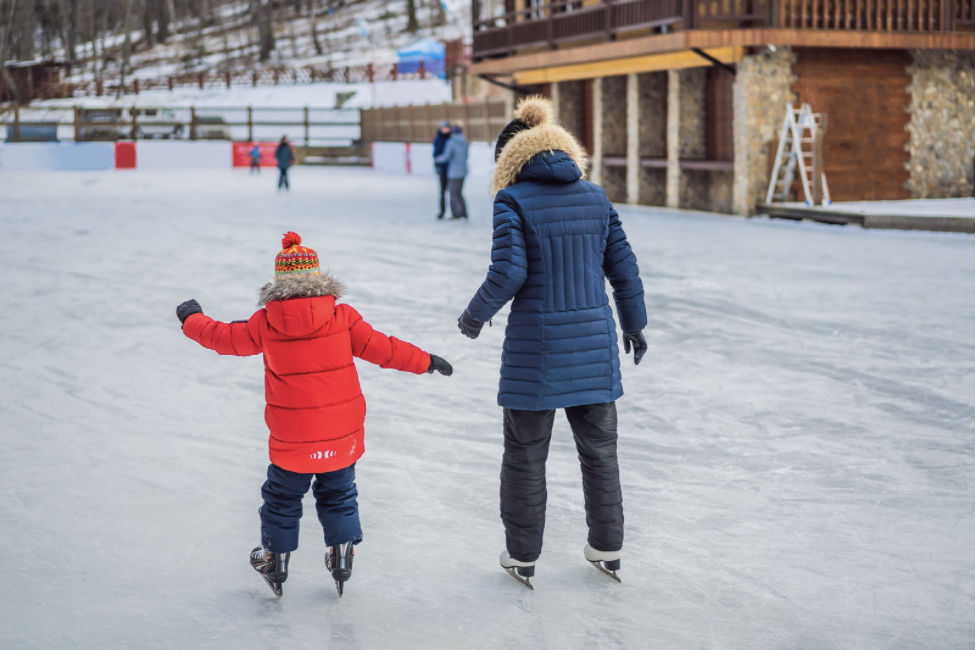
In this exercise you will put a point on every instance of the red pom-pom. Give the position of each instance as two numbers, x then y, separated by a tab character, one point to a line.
291	239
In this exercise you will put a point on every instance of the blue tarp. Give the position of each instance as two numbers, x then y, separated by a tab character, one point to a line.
430	53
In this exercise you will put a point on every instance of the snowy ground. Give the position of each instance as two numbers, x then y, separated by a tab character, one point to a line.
965	207
797	448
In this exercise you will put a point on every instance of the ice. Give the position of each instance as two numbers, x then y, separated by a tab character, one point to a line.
797	448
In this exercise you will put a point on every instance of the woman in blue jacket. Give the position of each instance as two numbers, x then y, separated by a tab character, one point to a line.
556	240
455	157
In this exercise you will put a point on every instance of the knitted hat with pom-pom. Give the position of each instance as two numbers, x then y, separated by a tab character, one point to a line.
295	258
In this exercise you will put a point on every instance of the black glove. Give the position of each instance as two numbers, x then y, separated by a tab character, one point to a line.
469	326
187	308
440	364
639	345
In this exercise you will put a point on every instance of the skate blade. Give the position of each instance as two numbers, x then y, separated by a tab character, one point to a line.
276	587
524	581
340	589
611	574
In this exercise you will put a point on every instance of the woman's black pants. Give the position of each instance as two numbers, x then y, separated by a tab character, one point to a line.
523	494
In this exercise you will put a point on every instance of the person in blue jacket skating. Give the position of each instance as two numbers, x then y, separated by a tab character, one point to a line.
556	240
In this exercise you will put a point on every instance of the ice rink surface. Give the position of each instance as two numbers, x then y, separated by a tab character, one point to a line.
797	448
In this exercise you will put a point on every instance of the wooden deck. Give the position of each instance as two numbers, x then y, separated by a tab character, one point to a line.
707	39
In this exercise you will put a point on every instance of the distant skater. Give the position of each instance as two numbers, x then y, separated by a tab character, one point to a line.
438	146
455	156
314	405
284	160
556	240
256	156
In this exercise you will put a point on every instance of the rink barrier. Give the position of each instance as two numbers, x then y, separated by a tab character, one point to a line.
416	159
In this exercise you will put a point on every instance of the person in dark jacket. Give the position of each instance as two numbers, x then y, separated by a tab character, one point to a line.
284	160
556	240
255	154
438	146
455	157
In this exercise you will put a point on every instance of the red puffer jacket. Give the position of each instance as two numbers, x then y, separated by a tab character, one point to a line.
314	406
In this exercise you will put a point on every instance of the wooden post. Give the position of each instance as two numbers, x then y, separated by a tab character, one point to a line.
136	86
306	126
16	123
255	78
170	83
135	129
486	118
200	80
227	78
77	124
250	124
193	124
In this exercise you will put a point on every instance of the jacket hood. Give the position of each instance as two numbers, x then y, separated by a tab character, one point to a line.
550	167
544	137
300	304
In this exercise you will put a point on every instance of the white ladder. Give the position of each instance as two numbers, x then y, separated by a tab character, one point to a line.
801	127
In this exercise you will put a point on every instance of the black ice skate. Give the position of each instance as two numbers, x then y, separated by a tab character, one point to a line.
605	561
340	563
274	568
520	571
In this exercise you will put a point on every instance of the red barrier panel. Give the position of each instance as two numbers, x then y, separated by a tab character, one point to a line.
125	155
241	154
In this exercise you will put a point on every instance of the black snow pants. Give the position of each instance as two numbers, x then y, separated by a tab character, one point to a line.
456	201
523	494
284	177
443	188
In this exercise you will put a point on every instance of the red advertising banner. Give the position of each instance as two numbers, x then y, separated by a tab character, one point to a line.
241	153
125	153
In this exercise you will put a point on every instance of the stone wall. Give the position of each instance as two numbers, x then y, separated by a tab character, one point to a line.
692	114
942	124
570	112
614	135
653	114
762	88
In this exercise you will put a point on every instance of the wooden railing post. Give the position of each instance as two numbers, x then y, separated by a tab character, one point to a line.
551	30
250	124
607	5
193	124
134	129
16	123
306	126
76	124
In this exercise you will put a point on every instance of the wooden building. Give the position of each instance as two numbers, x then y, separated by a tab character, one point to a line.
40	79
679	101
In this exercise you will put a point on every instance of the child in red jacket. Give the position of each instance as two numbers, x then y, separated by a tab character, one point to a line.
314	406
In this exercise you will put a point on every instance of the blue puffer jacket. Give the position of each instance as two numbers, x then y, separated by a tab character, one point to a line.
556	239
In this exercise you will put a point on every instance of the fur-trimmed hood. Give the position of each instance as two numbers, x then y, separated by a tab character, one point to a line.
301	285
544	136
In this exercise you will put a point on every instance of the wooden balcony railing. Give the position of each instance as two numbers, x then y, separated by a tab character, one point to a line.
551	24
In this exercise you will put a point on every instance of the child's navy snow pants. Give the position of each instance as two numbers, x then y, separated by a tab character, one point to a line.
336	507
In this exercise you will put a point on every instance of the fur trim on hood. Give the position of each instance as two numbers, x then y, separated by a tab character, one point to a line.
543	136
301	285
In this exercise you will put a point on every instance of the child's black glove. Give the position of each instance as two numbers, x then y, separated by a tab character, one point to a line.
639	345
440	364
468	325
187	308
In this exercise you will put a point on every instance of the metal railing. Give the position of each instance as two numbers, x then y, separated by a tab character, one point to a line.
319	126
551	24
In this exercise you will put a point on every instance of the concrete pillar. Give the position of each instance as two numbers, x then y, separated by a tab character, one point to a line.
597	131
673	139
556	99
632	139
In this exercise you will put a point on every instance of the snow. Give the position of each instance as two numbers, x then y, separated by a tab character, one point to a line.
318	95
797	448
965	207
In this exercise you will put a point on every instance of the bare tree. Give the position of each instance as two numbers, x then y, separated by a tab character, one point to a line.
413	21
127	22
313	36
